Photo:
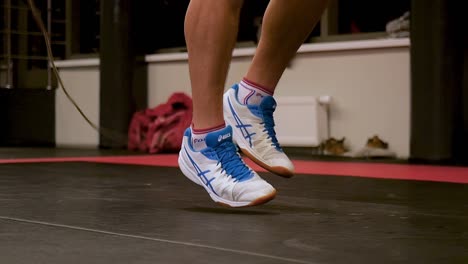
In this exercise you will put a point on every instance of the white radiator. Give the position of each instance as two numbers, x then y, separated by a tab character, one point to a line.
301	121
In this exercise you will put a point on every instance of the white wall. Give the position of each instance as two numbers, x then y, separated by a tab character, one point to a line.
368	80
370	91
82	82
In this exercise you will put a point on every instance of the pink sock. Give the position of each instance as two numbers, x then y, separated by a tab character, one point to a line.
251	93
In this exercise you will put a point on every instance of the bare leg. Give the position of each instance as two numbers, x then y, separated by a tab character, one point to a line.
210	31
286	24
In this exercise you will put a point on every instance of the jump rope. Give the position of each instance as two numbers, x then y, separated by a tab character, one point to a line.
110	134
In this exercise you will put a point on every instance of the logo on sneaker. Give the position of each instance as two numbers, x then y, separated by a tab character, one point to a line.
223	137
259	95
198	140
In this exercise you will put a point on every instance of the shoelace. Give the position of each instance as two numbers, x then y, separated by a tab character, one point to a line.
269	124
231	162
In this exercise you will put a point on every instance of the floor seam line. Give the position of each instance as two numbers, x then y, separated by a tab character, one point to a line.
168	241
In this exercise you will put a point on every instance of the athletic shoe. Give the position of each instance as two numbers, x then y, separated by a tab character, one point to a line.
254	132
222	172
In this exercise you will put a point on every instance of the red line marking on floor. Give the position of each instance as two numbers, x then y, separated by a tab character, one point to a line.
355	169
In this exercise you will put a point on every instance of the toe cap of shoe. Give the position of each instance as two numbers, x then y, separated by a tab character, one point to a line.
253	190
282	162
281	166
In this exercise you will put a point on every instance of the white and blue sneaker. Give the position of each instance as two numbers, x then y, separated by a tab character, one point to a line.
222	172
254	132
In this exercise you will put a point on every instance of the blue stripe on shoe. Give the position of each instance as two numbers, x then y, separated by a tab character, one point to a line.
201	174
268	106
241	126
232	163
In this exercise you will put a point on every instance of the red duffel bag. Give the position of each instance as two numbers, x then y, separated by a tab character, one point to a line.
161	128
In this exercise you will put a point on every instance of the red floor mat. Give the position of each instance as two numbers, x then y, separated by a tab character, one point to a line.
368	170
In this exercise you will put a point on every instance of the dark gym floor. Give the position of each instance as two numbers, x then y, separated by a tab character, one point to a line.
82	212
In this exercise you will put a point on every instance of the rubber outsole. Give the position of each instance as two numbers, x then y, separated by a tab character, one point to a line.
258	201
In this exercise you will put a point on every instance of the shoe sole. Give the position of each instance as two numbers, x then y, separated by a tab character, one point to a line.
258	201
278	170
194	178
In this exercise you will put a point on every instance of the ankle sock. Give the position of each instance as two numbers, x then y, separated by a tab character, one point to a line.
251	93
199	136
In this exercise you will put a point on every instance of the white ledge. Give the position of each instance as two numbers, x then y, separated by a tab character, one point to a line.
247	52
305	48
77	63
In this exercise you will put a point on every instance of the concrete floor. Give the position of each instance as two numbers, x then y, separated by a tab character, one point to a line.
106	213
